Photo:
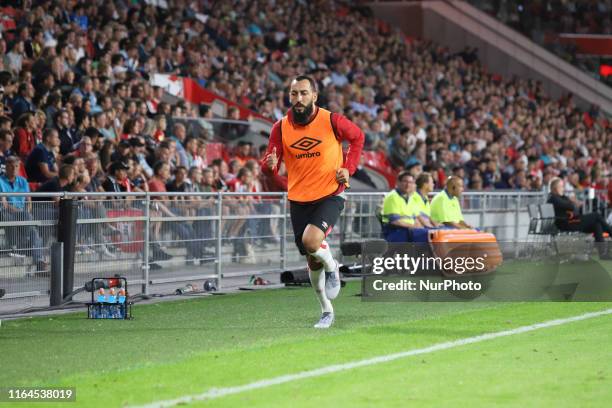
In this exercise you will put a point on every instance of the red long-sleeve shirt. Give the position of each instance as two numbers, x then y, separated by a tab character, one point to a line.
24	143
345	130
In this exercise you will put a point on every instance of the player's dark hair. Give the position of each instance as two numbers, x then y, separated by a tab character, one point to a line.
313	83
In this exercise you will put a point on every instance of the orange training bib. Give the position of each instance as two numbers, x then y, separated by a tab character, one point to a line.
312	155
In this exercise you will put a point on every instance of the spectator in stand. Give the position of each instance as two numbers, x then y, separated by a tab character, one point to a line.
23	102
476	182
122	153
193	149
15	57
131	128
92	163
90	238
400	151
233	131
179	134
5	123
44	210
84	148
195	179
78	163
64	181
17	208
138	154
105	153
161	154
179	184
41	123
535	183
160	128
25	141
113	124
208	180
41	163
220	171
100	123
117	180
243	206
184	231
267	230
137	177
174	158
414	168
201	182
231	176
6	141
244	152
86	91
67	135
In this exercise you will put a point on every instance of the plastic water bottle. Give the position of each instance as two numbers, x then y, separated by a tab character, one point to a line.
121	297
101	295
112	298
121	307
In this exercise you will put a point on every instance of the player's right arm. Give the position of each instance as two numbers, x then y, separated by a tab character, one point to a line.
274	154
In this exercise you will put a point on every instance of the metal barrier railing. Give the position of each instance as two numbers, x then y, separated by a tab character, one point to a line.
158	239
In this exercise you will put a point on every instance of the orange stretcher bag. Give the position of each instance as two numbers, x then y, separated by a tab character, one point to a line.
479	251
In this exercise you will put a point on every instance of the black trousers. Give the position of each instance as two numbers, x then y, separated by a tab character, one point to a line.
594	223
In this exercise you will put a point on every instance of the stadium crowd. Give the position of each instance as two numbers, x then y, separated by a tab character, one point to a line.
581	17
78	105
544	20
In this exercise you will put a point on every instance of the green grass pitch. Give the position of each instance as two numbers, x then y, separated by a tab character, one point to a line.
173	349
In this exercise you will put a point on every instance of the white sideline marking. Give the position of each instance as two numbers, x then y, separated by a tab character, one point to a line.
221	392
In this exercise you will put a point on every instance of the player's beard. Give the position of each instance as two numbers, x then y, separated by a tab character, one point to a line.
301	118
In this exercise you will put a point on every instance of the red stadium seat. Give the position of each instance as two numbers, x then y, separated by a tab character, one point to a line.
378	161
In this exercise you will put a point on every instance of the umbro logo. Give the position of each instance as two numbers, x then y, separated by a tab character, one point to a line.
306	143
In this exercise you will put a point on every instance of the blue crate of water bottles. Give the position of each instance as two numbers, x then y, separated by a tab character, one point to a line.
109	299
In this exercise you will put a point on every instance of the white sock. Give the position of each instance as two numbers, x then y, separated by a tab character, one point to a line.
317	279
324	255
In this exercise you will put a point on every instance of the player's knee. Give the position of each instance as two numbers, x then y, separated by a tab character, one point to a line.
311	244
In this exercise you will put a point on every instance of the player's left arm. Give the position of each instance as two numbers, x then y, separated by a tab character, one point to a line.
346	130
